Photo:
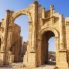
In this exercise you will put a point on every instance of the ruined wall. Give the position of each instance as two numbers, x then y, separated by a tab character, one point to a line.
67	32
40	21
15	42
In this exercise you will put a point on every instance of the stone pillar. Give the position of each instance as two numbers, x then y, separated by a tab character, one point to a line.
39	51
3	36
61	33
57	50
29	47
43	12
62	49
2	51
51	14
51	9
7	22
10	57
1	58
62	60
32	52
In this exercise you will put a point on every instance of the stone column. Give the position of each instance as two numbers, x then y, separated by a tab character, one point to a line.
51	14
62	49
43	12
10	57
7	22
61	33
57	50
29	46
32	53
3	36
3	44
39	50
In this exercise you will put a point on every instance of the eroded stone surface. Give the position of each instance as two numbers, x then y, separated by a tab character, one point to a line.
42	25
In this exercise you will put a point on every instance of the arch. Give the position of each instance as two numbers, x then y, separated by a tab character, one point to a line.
45	59
56	35
22	12
50	29
15	15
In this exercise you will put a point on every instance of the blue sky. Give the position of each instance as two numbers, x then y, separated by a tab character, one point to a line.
60	6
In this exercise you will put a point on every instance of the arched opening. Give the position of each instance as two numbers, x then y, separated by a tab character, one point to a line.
51	50
20	37
48	54
22	22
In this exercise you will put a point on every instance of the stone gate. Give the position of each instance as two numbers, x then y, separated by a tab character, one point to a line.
43	24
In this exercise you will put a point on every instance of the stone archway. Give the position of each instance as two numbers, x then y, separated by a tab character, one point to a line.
22	12
45	34
44	47
15	15
40	21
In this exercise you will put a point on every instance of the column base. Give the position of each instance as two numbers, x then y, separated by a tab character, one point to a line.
11	59
62	64
30	60
25	60
2	58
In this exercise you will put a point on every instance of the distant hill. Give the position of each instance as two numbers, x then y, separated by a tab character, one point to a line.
51	52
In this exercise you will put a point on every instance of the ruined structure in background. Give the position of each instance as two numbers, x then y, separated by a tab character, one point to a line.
43	24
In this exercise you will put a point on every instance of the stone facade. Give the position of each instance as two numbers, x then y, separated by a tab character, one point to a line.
43	24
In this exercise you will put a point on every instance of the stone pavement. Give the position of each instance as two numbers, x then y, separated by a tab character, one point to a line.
18	66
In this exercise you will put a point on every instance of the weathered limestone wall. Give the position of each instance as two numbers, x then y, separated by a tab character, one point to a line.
40	21
16	44
55	22
67	32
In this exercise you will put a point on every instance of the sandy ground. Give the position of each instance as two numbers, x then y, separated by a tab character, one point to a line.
20	66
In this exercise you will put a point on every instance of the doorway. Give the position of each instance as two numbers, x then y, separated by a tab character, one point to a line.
48	48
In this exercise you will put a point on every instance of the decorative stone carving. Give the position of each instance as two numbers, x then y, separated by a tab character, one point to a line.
40	22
